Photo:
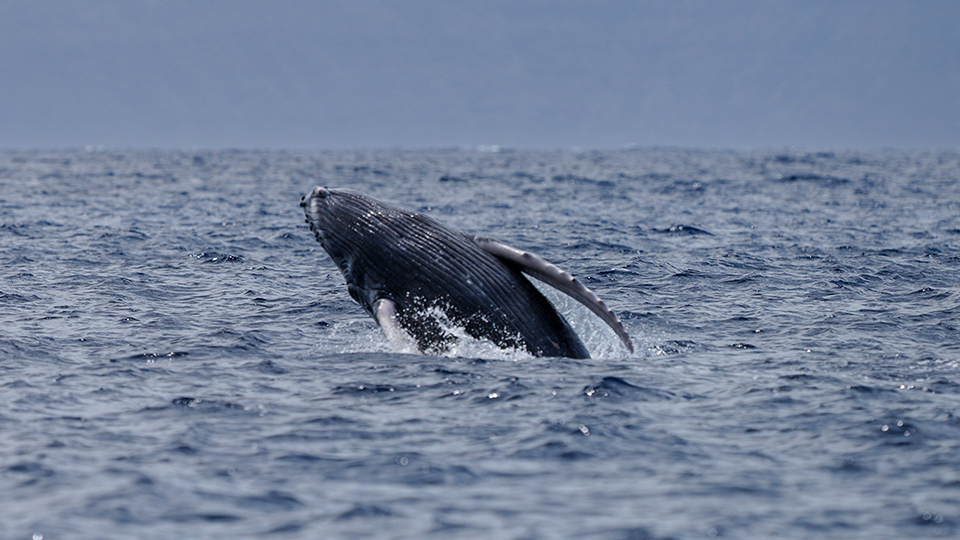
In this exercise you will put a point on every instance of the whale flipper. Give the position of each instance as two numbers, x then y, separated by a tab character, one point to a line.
557	278
385	311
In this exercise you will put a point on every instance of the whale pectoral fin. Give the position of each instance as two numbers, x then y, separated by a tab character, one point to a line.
551	275
385	311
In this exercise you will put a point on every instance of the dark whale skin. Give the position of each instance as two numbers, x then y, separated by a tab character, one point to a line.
427	269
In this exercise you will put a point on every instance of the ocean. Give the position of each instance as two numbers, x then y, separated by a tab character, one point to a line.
179	358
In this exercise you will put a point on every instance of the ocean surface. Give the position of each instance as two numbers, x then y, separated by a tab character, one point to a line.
179	358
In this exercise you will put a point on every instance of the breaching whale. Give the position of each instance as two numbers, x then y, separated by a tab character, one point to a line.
418	278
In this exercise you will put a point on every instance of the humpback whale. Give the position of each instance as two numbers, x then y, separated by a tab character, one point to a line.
418	278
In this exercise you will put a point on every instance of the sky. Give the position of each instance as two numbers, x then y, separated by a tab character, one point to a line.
515	73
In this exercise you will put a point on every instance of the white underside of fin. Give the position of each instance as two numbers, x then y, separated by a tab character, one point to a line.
555	277
386	313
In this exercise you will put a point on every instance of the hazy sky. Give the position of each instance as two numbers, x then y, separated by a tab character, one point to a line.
514	73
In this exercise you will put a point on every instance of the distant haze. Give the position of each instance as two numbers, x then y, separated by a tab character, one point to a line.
518	73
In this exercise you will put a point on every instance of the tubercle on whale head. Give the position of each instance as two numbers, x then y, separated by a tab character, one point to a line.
316	205
318	191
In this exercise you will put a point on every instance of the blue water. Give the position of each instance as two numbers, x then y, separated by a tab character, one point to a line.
180	359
